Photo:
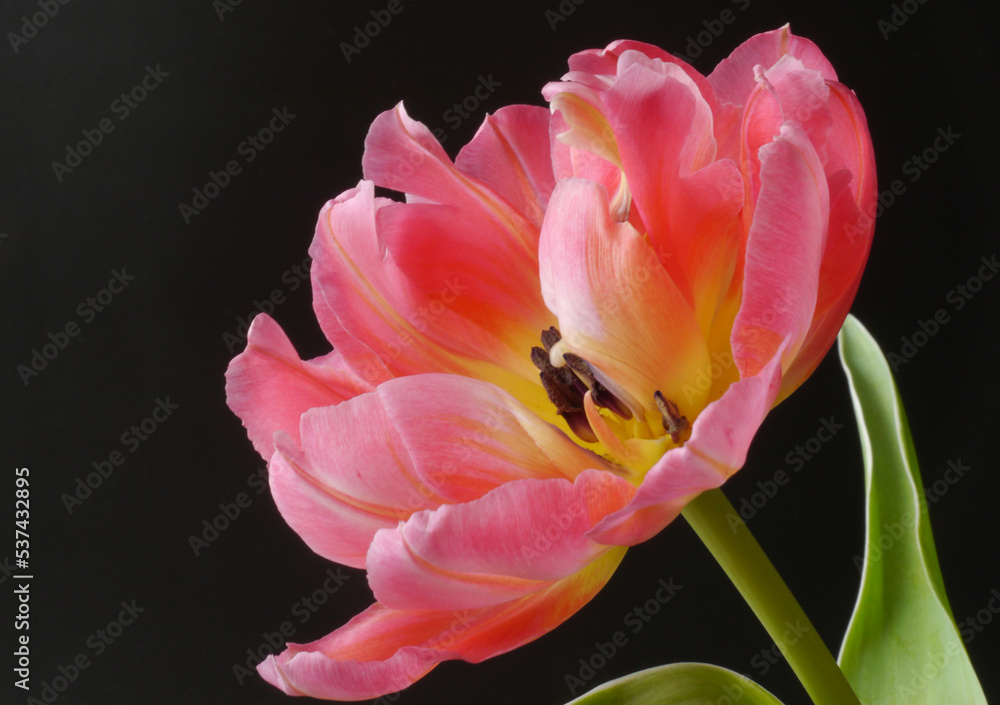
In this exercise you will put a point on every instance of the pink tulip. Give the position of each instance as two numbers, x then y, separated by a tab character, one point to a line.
555	343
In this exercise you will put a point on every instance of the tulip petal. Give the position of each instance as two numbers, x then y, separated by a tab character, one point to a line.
483	294
785	92
383	650
447	282
785	244
475	248
269	387
617	307
852	221
518	539
403	155
717	448
334	524
733	79
412	444
688	203
363	299
510	155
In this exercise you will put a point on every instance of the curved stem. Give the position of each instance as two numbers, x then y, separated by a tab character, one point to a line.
720	527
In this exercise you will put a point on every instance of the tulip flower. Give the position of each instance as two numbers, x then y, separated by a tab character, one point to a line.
554	344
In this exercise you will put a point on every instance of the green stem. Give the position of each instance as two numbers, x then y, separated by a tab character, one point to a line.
722	530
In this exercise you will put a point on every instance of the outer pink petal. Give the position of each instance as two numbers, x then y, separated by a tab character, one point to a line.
717	448
483	294
269	387
414	443
520	538
362	299
595	68
403	155
334	524
733	79
852	210
466	437
510	155
383	650
617	307
786	91
786	243
481	227
450	278
369	656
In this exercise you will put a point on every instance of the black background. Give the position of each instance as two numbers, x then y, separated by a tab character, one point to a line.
163	336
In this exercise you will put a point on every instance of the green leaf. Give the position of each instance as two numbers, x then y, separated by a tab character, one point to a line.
902	645
679	684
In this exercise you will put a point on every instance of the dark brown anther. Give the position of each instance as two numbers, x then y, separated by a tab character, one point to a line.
673	423
550	337
580	366
540	359
579	424
567	385
565	391
601	395
565	399
604	398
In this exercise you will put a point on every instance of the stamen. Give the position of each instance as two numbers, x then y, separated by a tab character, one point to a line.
579	424
602	396
673	423
580	366
540	359
565	392
566	378
550	337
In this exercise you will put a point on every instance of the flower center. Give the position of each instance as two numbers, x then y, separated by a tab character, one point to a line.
596	415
